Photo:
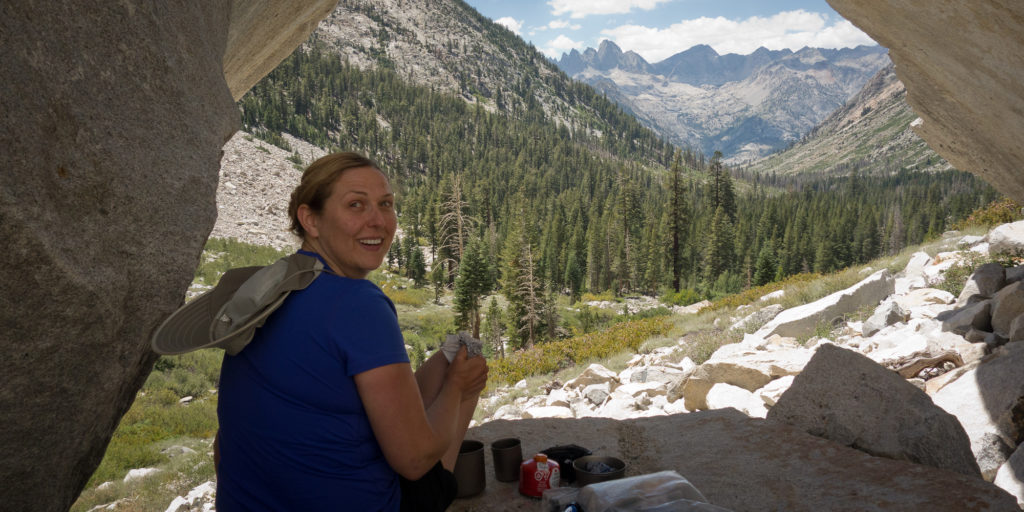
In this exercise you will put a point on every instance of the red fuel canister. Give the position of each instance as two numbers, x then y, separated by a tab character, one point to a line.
537	474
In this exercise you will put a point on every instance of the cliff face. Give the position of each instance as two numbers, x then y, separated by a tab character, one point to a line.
962	64
114	119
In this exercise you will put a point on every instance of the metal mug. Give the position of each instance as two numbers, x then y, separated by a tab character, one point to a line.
469	469
508	455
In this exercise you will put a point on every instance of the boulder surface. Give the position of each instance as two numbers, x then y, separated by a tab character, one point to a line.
962	64
114	119
844	396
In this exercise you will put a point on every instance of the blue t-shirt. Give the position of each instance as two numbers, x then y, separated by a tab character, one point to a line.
293	431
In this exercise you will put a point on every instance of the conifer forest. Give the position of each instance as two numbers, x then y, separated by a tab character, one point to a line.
534	203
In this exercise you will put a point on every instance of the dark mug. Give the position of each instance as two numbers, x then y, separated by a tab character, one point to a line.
508	455
469	469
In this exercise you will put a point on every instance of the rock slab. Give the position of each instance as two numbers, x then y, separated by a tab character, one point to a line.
802	320
742	464
846	397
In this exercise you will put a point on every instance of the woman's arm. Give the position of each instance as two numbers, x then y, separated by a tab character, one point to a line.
412	438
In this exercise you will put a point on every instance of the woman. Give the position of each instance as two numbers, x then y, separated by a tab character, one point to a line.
321	411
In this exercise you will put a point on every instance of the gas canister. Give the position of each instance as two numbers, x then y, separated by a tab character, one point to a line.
537	474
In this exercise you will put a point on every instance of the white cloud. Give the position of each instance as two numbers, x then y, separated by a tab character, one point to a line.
557	24
510	23
561	44
582	8
790	29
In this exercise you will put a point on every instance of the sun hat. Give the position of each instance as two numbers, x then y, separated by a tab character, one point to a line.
227	316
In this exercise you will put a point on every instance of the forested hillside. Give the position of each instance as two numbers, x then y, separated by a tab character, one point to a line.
521	201
871	131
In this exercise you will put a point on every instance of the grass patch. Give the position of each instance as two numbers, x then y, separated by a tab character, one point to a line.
183	471
700	345
157	416
222	254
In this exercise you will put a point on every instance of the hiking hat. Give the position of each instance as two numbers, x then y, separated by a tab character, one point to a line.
227	316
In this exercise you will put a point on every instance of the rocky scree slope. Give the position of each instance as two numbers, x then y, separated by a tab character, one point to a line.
448	45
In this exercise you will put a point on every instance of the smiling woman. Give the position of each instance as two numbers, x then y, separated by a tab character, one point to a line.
353	227
321	410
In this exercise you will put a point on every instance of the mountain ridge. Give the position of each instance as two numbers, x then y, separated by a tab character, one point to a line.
746	106
872	130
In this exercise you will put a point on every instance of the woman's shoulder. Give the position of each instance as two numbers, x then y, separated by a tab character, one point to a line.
352	292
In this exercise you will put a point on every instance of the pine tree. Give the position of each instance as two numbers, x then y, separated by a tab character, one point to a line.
720	192
677	221
493	329
417	268
472	283
766	265
455	224
530	294
720	248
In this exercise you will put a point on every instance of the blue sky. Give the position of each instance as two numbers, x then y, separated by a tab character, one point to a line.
658	29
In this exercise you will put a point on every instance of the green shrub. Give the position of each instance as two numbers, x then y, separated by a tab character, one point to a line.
606	295
428	327
752	294
683	297
999	211
415	297
555	355
586	319
956	276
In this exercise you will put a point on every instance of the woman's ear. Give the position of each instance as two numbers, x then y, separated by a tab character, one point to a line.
308	218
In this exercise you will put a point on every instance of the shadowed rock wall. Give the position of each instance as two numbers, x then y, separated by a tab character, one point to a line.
114	115
963	66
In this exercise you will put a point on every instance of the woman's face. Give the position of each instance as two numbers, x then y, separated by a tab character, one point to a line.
354	231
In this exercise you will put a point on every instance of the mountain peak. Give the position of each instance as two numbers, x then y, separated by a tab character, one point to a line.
702	50
608	46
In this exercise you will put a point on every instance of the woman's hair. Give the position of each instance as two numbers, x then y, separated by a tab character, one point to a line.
317	179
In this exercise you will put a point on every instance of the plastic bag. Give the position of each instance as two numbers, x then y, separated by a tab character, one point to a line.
665	491
558	498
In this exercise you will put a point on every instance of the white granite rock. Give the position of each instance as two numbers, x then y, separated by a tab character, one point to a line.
1007	238
139	474
548	412
802	320
597	393
558	398
986	400
741	366
594	374
771	392
1010	476
1007	304
721	396
984	282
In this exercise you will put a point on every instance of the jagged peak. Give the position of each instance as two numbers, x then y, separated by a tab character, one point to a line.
608	45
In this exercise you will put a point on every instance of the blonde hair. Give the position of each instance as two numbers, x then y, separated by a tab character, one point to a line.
315	186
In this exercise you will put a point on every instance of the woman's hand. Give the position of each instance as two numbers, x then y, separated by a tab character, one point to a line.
467	374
